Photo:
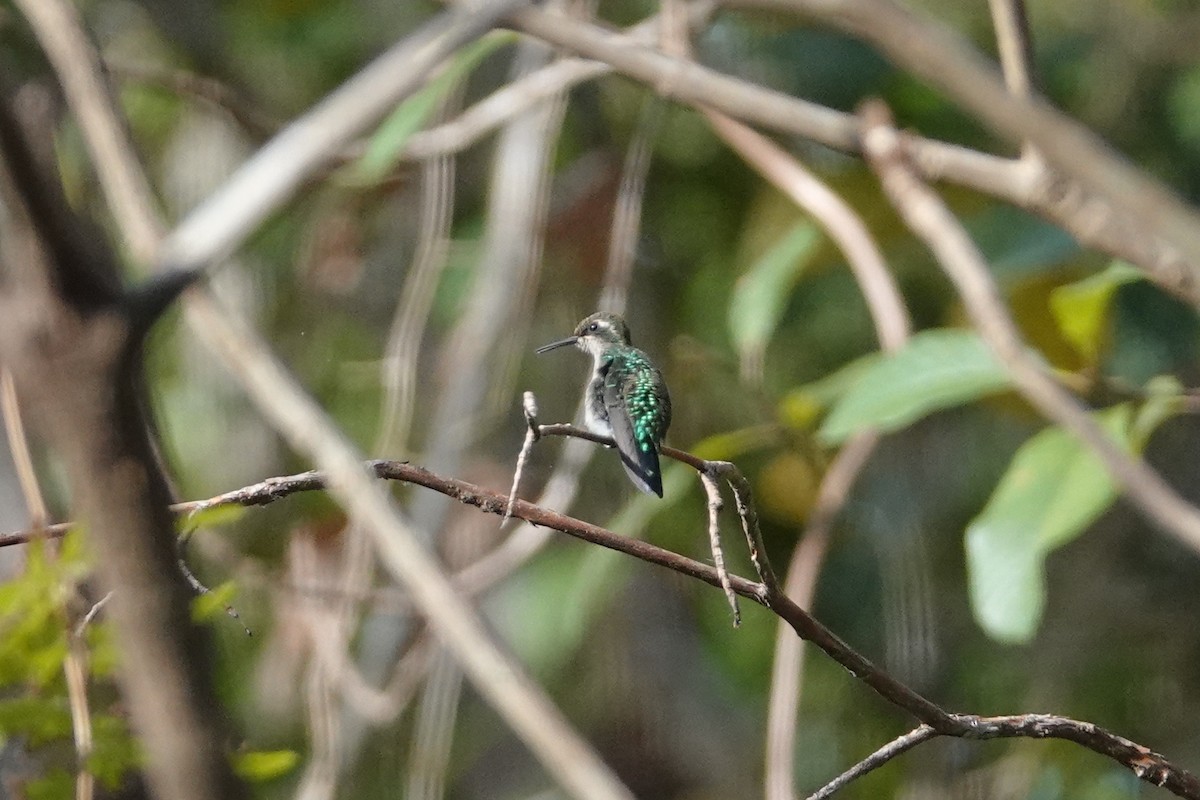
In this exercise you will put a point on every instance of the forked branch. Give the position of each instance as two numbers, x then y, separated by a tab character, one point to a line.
1142	761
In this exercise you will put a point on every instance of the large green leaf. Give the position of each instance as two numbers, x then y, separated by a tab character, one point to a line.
1081	308
762	292
803	406
937	369
1053	489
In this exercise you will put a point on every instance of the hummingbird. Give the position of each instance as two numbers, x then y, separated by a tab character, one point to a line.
625	398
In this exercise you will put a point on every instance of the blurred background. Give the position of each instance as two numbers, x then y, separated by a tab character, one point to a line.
408	295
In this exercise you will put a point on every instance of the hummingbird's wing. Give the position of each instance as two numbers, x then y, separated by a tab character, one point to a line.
639	412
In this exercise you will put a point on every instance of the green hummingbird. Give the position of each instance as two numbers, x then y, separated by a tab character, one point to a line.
626	397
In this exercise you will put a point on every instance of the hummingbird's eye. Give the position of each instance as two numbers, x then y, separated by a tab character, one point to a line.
595	326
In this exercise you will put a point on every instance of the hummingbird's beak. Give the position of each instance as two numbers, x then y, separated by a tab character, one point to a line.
560	343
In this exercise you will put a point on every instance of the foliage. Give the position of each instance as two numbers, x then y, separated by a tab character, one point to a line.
983	555
34	641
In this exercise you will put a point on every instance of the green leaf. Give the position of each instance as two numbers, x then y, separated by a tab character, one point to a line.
804	405
1081	308
735	444
1053	490
385	146
114	750
57	784
760	295
937	369
41	719
265	765
213	603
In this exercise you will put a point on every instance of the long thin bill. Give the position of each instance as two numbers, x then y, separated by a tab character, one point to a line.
561	343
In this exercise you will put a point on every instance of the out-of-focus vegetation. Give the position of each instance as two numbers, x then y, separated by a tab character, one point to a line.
982	557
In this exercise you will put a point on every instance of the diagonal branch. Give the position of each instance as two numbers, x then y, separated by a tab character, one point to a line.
962	262
894	748
947	62
1082	191
496	674
275	172
1145	763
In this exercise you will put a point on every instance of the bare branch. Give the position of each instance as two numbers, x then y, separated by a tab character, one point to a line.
75	661
81	72
496	676
214	229
1014	45
1096	217
529	405
841	222
18	445
1145	763
946	61
897	746
787	669
712	490
502	106
962	262
270	177
68	345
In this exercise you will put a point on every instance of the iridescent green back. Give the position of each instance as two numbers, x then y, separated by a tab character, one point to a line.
639	411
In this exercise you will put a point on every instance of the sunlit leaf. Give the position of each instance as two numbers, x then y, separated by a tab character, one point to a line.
786	488
1081	308
265	765
937	369
804	405
1053	490
761	294
385	146
734	444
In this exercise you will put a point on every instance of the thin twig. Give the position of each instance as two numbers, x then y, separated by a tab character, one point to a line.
218	226
787	667
748	514
75	661
713	491
198	587
273	174
949	63
840	221
502	106
1094	216
91	613
529	406
22	457
1015	47
1145	763
900	744
962	262
76	674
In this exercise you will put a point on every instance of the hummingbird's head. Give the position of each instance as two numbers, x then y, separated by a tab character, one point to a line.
594	334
